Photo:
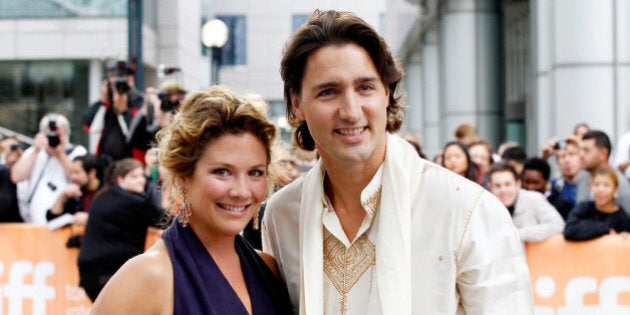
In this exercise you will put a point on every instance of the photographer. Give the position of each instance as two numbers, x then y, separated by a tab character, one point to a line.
43	170
156	113
10	152
108	120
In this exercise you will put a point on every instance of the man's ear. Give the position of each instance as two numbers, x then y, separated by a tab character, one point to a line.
296	106
605	153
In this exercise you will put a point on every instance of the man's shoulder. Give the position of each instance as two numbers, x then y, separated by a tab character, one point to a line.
530	195
287	196
437	178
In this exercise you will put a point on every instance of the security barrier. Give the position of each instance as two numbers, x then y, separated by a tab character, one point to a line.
581	278
38	274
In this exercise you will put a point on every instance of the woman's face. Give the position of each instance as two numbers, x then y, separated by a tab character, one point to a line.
604	189
133	181
480	155
455	160
228	185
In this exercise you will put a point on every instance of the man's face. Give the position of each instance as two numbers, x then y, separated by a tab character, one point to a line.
344	103
505	187
592	156
569	161
13	150
534	180
78	175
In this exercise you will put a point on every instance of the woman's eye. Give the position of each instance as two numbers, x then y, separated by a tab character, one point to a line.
257	173
221	172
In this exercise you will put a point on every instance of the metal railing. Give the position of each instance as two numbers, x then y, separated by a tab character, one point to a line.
22	138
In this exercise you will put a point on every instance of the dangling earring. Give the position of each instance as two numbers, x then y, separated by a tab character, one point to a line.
183	207
255	223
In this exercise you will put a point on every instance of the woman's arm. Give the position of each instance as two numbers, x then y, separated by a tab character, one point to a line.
143	285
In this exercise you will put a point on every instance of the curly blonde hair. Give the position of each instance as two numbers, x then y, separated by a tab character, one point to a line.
202	118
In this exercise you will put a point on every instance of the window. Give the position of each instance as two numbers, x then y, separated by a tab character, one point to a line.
61	8
31	89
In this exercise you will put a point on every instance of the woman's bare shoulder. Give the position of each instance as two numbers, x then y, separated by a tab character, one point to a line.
143	285
269	261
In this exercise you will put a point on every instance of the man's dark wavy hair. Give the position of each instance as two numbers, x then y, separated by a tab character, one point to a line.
325	28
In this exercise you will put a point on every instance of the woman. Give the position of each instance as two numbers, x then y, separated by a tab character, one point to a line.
217	153
455	157
117	225
592	219
481	155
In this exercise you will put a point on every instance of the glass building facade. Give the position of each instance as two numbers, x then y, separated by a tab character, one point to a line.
29	89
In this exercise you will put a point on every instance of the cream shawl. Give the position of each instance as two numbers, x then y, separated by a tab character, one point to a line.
393	244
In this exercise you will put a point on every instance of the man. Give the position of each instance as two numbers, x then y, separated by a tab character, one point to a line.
108	120
156	113
10	151
43	170
534	217
535	177
372	228
466	133
595	152
572	176
516	157
86	176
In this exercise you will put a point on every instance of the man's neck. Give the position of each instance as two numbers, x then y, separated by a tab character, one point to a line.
600	165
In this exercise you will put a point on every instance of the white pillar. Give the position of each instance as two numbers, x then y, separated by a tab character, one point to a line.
431	140
95	78
582	67
413	88
470	52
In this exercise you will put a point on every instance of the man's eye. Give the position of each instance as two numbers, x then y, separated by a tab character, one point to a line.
326	92
366	87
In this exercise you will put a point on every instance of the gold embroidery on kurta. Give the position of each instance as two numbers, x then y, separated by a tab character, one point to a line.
371	204
344	267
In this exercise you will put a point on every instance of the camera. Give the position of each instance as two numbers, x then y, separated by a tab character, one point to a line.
53	137
560	145
122	86
166	104
119	81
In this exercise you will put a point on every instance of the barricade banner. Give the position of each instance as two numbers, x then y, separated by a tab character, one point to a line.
581	278
39	274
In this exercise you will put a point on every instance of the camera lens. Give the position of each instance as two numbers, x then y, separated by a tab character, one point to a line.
53	139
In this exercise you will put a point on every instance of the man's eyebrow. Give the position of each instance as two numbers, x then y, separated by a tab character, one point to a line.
330	84
365	79
325	85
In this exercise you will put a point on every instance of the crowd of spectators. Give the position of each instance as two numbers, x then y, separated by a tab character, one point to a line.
54	178
587	198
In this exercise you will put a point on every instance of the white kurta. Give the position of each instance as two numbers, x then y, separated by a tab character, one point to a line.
444	245
349	265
